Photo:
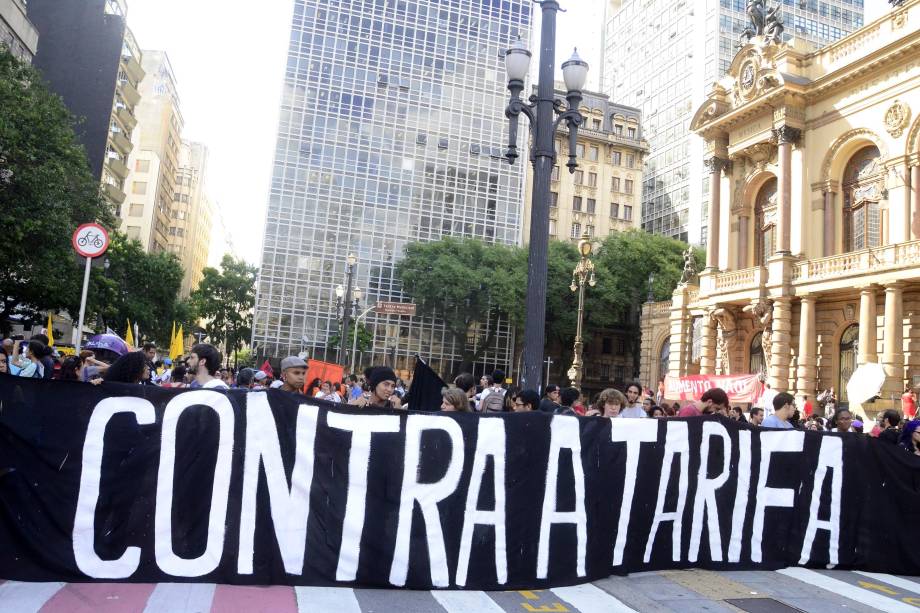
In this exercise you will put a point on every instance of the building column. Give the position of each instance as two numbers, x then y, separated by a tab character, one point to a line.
868	335
830	223
786	137
893	350
915	201
742	241
708	345
807	371
715	166
781	343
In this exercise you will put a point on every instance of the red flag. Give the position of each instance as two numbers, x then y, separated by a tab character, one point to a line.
267	369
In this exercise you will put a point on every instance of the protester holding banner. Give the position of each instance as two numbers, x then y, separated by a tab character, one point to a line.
633	406
526	400
382	383
715	401
293	373
4	362
783	408
842	421
129	368
454	399
203	362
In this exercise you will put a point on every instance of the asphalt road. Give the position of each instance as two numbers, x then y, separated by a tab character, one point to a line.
783	591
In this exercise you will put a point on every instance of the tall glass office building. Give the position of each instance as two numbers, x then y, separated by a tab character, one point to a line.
391	131
661	56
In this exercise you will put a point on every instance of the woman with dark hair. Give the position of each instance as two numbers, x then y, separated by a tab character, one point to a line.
4	362
842	421
177	377
72	369
910	436
315	388
737	413
510	395
129	368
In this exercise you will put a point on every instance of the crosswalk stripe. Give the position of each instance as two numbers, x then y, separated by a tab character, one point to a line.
324	599
26	597
464	602
846	590
181	598
589	598
904	584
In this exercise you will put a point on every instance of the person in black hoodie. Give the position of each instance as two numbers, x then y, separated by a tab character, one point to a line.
889	423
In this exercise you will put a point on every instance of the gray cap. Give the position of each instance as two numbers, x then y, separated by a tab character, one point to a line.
292	361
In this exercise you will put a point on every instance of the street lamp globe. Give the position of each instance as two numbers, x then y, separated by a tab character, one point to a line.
339	291
351	259
574	72
358	294
584	246
517	61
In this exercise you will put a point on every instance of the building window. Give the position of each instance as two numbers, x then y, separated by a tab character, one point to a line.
757	364
579	177
618	130
607	345
849	348
619	374
552	227
137	210
628	186
553	199
615	184
596	124
621	346
580	150
142	165
576	203
133	232
592	154
592	204
139	188
627	212
764	227
614	210
576	230
555	174
590	230
630	160
861	195
617	158
631	132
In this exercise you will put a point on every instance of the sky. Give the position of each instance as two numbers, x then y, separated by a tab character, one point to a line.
229	60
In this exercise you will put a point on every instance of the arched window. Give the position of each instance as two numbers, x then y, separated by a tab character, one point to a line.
664	358
862	191
849	348
765	222
757	364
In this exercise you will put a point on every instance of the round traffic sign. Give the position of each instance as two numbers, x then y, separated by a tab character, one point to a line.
90	240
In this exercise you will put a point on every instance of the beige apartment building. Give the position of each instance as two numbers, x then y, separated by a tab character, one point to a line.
17	33
154	160
813	259
191	216
605	193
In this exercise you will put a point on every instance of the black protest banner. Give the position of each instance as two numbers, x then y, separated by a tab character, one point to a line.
140	484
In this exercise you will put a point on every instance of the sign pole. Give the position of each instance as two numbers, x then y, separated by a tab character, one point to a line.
79	341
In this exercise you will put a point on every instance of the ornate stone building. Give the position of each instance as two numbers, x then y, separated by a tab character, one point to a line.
813	258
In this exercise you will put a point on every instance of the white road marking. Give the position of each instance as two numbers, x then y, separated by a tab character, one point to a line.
326	599
589	598
466	602
904	584
181	598
27	597
842	588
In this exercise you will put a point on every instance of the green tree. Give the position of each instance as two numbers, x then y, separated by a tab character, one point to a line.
464	283
358	334
143	287
46	191
224	299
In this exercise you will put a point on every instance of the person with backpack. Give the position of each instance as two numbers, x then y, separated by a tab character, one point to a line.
492	399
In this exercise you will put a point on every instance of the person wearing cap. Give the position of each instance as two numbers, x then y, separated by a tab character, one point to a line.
382	383
259	379
293	373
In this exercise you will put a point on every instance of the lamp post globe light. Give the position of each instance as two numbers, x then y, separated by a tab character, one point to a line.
346	302
583	273
545	113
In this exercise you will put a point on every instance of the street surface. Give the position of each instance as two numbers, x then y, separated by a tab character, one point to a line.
793	589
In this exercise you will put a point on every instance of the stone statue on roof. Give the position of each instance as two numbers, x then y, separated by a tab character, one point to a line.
765	22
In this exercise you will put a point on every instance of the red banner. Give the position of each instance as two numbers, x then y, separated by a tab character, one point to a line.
740	388
324	371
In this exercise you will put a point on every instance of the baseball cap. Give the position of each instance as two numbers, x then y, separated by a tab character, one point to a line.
259	376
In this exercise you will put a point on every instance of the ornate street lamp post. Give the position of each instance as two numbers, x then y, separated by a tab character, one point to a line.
346	305
542	111
583	273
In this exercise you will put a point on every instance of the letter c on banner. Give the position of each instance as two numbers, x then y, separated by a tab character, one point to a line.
84	529
167	559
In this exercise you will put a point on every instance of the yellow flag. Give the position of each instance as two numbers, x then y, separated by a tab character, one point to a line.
50	332
175	347
129	337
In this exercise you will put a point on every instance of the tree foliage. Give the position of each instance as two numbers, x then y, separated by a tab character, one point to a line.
46	191
361	338
224	299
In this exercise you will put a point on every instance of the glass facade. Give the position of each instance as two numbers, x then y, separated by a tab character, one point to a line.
661	57
392	130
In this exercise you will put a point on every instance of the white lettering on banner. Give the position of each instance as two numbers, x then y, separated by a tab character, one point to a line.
676	442
490	441
428	495
739	511
361	427
770	443
290	507
705	500
829	458
84	529
166	557
633	432
565	433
